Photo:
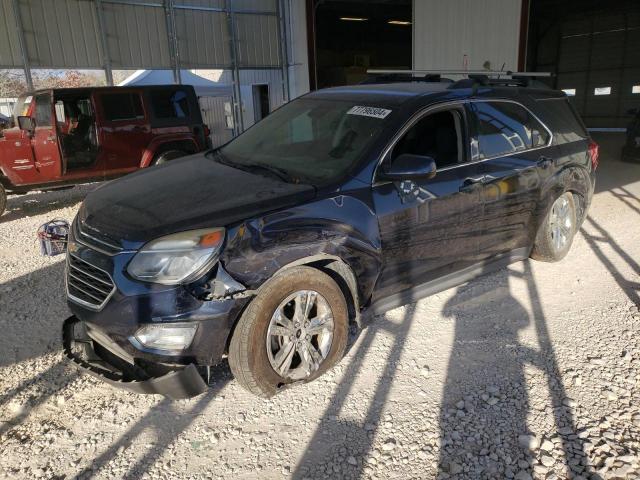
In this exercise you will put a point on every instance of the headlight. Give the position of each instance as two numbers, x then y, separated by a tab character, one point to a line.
178	258
167	337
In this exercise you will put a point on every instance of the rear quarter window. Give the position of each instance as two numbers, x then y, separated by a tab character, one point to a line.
560	116
170	104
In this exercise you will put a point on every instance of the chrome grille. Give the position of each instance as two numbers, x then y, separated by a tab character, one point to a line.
87	285
93	238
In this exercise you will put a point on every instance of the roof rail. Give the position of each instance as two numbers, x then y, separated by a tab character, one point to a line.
404	77
475	78
488	73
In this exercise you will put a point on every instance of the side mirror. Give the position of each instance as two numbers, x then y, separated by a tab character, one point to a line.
410	167
27	123
633	111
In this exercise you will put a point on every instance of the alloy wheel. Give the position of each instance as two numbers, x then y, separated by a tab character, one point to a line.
300	334
561	222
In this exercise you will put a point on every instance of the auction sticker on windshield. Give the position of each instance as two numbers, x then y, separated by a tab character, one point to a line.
374	112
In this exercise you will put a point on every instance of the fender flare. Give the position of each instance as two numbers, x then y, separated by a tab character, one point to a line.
158	142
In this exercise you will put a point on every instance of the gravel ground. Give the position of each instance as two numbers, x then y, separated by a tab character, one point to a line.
531	372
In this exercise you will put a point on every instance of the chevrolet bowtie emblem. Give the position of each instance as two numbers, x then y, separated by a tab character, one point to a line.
72	247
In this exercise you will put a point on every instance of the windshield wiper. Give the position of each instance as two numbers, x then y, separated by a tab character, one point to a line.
278	172
248	167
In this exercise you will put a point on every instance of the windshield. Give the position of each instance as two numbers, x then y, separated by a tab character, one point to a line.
309	140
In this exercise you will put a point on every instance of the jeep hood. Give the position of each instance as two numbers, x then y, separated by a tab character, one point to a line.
185	194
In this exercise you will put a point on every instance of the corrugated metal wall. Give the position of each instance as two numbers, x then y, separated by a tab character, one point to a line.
248	78
139	33
57	34
9	44
136	36
483	30
255	5
258	43
197	29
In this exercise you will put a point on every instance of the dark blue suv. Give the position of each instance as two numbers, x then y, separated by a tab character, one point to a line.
343	203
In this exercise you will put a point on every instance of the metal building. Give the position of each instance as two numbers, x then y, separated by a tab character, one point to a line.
236	35
292	46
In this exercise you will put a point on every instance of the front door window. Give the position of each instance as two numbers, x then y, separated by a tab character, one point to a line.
76	124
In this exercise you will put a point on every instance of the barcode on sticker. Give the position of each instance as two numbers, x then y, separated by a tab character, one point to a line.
374	112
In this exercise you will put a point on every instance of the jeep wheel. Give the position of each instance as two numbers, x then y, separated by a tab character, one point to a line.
294	330
555	235
3	200
164	157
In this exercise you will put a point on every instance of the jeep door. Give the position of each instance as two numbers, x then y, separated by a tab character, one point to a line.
429	228
45	140
124	131
17	156
511	144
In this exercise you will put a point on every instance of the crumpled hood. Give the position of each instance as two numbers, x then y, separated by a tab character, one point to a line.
189	193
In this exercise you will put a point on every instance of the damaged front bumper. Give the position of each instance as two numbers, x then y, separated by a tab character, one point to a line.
80	347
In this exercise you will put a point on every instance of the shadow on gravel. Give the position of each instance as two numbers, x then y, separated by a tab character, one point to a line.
629	287
32	309
21	206
488	436
45	385
356	438
628	198
166	421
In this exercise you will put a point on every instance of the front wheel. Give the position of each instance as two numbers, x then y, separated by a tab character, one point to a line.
3	200
294	330
557	230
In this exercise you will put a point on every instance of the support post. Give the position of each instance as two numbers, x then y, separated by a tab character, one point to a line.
23	45
172	38
284	51
235	71
106	58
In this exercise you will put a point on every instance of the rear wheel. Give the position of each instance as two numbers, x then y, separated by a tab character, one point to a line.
556	233
3	200
294	330
167	156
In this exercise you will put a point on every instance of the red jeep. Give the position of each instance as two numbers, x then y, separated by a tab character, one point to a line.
70	136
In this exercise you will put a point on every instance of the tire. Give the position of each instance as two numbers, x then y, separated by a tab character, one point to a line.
3	200
251	353
553	242
167	156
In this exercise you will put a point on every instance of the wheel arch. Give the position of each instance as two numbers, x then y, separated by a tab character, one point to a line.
332	265
162	145
340	272
573	179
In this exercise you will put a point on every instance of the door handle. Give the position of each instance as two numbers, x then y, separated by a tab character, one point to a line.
471	183
545	162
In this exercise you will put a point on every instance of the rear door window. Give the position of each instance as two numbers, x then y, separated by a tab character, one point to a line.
505	128
122	106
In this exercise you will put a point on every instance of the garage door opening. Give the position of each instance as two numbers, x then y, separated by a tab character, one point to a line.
351	36
594	50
